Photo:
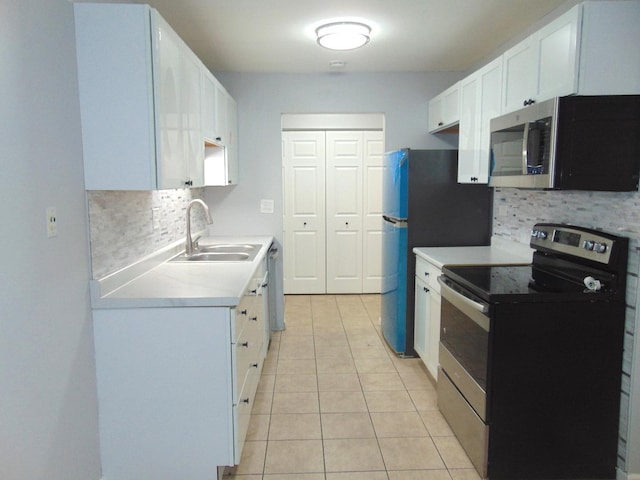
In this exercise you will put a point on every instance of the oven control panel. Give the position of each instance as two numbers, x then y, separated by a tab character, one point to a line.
575	241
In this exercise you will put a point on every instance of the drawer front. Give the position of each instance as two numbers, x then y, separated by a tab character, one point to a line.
468	427
244	405
248	351
428	273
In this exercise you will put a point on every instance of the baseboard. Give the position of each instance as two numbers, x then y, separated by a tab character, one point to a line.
620	475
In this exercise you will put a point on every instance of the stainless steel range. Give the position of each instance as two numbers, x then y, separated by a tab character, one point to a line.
531	357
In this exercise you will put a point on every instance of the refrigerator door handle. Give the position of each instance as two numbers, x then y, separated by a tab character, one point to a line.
397	222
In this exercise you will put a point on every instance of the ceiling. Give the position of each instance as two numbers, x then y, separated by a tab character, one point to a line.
407	35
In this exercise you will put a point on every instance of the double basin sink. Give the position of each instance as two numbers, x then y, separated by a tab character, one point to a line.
226	252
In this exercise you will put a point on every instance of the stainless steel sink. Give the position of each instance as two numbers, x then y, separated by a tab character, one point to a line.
221	253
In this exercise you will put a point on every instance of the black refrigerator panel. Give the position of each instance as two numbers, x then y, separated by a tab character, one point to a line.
441	213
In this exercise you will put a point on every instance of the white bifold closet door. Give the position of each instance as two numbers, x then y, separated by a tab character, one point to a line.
352	211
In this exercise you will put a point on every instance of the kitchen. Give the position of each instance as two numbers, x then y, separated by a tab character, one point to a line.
49	418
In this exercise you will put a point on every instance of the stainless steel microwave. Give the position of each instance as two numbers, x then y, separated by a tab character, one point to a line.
569	143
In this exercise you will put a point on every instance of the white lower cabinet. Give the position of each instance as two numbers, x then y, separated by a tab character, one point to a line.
427	314
176	385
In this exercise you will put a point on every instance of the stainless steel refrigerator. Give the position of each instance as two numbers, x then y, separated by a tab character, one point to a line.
423	206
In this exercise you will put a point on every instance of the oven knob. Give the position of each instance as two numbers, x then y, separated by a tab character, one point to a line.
542	234
589	244
600	247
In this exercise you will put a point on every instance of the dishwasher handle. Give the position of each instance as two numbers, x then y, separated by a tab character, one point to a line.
477	310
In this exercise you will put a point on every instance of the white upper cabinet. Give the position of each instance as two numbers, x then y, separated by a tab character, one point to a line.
543	65
221	151
444	110
480	101
581	52
144	100
180	147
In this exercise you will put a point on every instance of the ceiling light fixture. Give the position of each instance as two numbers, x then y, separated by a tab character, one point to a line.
343	35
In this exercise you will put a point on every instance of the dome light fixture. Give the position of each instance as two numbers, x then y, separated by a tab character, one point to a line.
343	35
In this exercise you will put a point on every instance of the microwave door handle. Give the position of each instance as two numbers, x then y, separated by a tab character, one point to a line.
525	149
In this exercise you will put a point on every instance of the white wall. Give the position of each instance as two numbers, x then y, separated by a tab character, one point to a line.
263	98
48	409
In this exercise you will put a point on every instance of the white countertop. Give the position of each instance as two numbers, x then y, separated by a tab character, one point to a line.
156	282
500	252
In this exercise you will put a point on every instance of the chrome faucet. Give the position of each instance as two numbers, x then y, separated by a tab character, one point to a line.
191	244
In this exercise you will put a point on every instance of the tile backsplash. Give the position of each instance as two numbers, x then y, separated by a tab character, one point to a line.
129	225
516	211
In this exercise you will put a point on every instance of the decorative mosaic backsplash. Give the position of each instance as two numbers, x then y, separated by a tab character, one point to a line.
516	211
129	225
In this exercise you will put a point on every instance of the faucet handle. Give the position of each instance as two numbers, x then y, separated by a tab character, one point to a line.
195	242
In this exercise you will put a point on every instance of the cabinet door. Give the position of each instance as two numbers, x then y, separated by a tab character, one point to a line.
232	141
372	212
520	75
191	101
433	334
208	106
480	100
557	45
444	110
421	322
303	168
172	168
344	211
469	133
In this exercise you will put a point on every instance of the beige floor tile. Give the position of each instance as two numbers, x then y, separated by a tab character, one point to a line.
417	381
296	366
270	365
374	351
296	383
299	328
357	476
338	350
424	399
347	425
374	365
295	426
393	401
294	456
435	423
252	461
372	382
262	403
258	427
339	382
420	475
410	454
398	424
297	346
242	477
267	382
342	402
334	364
295	402
452	452
464	474
352	455
295	476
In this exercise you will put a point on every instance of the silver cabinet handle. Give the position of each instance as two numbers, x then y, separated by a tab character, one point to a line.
476	311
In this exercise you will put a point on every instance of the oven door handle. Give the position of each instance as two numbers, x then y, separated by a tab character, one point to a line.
477	311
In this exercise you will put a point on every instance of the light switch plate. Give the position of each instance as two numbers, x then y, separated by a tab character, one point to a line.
266	206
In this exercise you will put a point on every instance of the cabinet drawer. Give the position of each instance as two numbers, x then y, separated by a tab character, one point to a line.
247	357
244	406
428	273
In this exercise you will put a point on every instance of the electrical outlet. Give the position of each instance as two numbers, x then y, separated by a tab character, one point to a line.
52	222
155	218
